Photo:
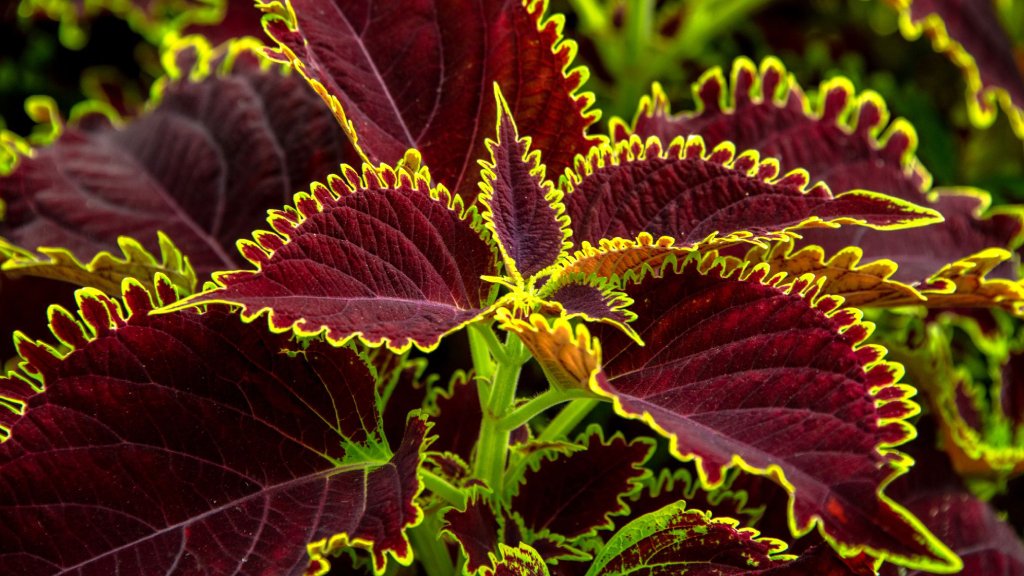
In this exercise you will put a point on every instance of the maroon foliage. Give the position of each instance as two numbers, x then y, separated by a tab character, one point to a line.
403	75
188	444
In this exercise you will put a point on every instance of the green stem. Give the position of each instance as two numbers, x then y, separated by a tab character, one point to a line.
568	418
538	404
481	350
429	549
442	488
492	446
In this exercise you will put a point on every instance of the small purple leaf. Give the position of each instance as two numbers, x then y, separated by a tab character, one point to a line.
523	210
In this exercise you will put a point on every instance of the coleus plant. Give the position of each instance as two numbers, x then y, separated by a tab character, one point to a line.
684	285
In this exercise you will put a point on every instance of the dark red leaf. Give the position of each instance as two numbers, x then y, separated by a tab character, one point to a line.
771	374
203	166
523	210
477	531
690	195
401	75
589	297
576	493
187	444
970	34
847	142
456	415
382	257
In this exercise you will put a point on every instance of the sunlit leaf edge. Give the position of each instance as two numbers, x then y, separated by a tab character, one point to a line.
748	164
881	133
667	479
524	555
808	289
934	27
105	270
279	10
304	204
552	195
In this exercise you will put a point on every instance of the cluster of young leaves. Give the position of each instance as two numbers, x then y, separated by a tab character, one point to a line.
700	274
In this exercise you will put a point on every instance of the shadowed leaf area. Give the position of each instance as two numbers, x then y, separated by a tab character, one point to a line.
204	166
197	445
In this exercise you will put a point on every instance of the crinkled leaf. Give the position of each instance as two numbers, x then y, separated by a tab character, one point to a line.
577	493
868	284
382	257
676	540
768	373
924	253
520	561
400	76
846	141
971	35
203	166
198	445
105	271
689	195
523	210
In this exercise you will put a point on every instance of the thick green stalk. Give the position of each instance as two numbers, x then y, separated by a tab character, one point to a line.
568	418
538	404
442	488
430	551
492	446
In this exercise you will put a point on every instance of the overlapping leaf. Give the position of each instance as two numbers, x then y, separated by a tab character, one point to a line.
576	493
740	368
382	256
971	527
203	165
846	141
693	196
970	34
198	445
400	76
677	540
